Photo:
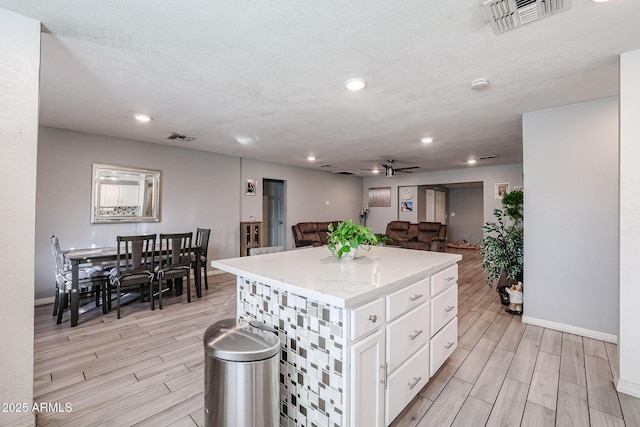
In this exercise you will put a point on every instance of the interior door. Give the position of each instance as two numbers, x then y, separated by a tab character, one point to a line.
274	200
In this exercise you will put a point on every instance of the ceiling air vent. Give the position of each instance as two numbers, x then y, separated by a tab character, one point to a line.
489	157
505	15
345	173
181	137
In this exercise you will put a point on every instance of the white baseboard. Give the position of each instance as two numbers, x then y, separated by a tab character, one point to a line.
626	387
44	301
597	335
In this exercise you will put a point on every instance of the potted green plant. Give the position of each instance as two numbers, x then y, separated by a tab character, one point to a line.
344	240
382	239
503	244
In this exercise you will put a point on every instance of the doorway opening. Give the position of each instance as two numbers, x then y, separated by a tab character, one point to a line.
274	211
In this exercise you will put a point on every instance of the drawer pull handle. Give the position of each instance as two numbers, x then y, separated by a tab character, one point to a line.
373	318
448	345
415	382
415	297
448	309
450	278
415	334
384	375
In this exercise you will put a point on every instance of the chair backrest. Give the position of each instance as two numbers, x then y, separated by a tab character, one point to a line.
265	250
176	250
202	240
58	258
136	254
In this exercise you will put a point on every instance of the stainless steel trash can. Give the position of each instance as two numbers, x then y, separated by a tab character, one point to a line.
241	375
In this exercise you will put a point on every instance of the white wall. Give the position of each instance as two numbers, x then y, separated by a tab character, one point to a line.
19	79
571	216
308	192
489	175
629	338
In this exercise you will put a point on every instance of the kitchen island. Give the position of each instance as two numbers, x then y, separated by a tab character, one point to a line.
359	338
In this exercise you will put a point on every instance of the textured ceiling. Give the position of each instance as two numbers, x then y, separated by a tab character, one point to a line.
273	73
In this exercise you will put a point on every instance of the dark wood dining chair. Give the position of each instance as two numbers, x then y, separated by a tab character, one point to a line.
202	247
136	263
92	280
175	261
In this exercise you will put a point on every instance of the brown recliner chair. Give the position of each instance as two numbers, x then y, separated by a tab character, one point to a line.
397	232
311	233
428	238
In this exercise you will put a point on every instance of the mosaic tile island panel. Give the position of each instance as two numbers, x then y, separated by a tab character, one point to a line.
312	352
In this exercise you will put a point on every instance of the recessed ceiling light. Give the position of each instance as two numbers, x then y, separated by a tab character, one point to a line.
479	84
426	140
143	117
471	161
311	158
599	1
375	171
356	84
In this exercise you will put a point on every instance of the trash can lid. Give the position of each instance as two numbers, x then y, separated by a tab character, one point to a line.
235	340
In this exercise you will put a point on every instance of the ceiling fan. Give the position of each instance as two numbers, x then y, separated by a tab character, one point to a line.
390	171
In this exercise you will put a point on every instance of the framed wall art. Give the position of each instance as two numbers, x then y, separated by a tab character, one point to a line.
380	197
501	189
250	187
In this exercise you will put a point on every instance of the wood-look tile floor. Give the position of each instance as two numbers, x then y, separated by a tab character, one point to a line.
147	367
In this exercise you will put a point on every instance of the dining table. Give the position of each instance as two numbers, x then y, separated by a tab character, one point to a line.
97	256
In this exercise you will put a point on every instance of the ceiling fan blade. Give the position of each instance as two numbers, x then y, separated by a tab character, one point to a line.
405	169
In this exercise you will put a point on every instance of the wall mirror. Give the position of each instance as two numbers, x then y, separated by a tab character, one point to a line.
125	194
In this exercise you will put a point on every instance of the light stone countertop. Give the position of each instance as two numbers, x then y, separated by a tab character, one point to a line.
315	273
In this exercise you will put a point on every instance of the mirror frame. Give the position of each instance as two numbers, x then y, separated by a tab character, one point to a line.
153	175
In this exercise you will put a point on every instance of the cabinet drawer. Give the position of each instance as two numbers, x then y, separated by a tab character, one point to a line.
444	307
406	335
443	344
405	383
407	298
366	318
444	279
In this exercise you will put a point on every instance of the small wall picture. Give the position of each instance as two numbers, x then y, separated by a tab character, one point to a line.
250	187
501	190
406	206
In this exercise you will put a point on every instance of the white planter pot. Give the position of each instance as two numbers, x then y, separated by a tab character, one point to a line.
350	255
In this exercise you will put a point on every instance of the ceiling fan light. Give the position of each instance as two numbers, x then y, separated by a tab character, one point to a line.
390	173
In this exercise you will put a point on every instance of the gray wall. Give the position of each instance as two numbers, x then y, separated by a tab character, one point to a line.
467	204
489	175
19	75
199	189
572	215
308	192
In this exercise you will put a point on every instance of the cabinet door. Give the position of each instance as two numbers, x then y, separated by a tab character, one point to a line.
367	381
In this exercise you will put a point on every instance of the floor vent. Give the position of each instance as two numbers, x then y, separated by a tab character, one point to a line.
505	15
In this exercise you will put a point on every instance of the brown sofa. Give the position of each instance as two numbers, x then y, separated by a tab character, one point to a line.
426	236
311	233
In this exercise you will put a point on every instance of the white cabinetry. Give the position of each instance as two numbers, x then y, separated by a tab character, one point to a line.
367	381
444	320
416	330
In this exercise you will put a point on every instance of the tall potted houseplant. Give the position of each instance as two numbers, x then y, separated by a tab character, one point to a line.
503	244
345	239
